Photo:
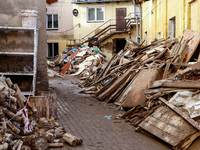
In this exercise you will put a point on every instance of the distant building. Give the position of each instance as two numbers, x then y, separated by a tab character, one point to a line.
168	18
59	26
105	23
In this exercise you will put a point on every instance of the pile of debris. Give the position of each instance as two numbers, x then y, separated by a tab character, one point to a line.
82	61
157	85
20	127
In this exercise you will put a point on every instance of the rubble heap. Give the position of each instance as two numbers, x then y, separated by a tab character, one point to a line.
82	61
158	86
20	127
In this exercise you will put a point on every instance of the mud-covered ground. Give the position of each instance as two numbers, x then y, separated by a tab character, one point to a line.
85	117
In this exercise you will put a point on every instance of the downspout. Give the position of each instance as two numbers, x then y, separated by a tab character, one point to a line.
140	24
134	9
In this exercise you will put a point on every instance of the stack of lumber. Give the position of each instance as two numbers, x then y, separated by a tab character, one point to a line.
20	127
118	75
170	104
158	84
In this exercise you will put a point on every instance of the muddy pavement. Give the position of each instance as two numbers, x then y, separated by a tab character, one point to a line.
95	122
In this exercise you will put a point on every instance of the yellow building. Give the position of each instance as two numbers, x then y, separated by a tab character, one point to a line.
168	18
105	23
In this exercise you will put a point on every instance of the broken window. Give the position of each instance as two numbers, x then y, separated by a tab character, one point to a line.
52	49
95	13
52	21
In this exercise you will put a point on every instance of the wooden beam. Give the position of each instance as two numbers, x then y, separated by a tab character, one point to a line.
113	87
182	85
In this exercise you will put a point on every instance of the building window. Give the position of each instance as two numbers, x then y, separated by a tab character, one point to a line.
159	35
52	49
52	21
95	13
172	27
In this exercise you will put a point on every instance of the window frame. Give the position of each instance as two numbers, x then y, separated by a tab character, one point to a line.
95	20
53	49
53	28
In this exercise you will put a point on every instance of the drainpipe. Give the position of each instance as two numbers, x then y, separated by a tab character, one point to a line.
137	27
140	24
134	9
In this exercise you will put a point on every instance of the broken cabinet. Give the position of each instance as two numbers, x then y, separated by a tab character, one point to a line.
18	56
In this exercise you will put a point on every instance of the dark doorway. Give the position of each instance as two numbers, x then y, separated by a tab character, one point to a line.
120	22
118	45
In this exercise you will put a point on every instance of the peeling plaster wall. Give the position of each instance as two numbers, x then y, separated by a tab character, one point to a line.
10	12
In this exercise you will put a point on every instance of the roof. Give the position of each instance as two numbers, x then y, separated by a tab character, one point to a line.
98	1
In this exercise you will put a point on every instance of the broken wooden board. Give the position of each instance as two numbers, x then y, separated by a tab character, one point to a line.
181	113
119	81
65	68
194	38
51	103
136	96
40	104
191	102
182	85
168	126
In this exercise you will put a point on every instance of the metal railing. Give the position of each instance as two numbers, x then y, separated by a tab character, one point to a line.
105	30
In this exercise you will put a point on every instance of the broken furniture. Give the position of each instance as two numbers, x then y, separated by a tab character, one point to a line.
18	56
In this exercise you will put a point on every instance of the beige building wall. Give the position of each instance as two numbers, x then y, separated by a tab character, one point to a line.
64	33
110	13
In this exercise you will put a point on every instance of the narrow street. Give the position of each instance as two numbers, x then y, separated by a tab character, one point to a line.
84	116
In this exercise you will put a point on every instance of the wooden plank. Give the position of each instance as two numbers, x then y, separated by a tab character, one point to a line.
166	72
136	96
65	68
119	90
161	90
192	44
179	112
122	97
40	104
105	87
50	103
157	83
182	85
113	87
168	126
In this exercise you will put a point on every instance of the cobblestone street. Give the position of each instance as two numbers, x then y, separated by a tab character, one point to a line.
84	116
